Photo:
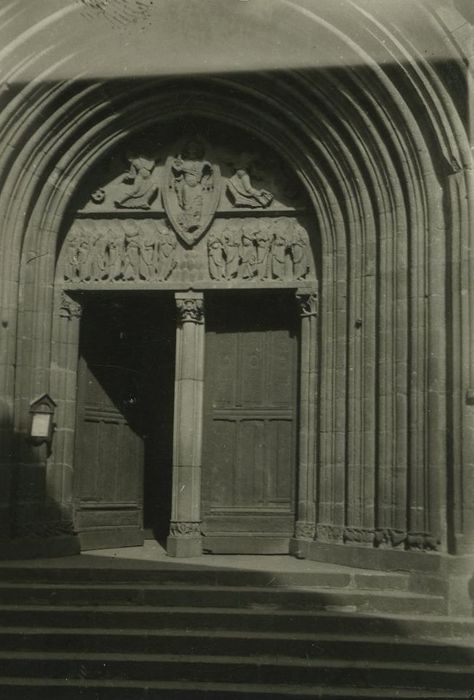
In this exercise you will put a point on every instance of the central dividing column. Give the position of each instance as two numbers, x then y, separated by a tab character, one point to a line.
184	539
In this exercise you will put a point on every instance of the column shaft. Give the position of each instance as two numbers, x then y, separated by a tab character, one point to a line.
185	531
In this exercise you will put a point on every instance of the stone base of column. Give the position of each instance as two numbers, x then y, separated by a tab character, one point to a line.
184	539
183	546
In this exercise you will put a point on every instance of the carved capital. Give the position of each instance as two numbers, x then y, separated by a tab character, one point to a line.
308	302
69	308
304	530
185	529
190	309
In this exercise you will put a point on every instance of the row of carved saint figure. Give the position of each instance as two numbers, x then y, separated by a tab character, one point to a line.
121	255
253	250
276	249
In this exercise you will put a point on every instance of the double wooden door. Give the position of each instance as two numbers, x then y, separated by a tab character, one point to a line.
249	456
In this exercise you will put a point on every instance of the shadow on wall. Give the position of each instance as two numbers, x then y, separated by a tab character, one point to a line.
34	524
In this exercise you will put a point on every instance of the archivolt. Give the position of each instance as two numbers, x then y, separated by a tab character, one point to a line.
384	156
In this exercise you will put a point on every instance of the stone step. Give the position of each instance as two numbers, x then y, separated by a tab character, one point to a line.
235	643
222	596
237	669
207	576
147	618
59	689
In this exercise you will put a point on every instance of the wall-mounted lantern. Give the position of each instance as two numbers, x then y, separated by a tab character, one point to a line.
42	419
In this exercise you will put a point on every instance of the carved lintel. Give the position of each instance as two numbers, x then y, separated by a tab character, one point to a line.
304	530
190	309
308	302
185	529
69	308
329	533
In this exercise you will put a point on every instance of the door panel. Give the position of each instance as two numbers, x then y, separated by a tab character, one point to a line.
109	453
250	423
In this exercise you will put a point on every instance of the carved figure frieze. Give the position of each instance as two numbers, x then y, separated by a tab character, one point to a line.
130	250
191	191
250	250
259	249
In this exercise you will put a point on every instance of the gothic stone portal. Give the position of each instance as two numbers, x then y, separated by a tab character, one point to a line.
187	263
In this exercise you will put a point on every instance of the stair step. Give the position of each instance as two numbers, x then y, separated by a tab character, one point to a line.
217	596
236	669
49	689
235	643
185	617
210	576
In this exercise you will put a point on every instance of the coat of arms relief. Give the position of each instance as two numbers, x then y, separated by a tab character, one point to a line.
190	213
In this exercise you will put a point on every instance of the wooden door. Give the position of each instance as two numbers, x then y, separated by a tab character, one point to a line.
109	451
250	423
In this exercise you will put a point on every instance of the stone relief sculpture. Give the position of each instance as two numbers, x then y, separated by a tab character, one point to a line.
243	194
142	188
131	253
191	191
260	249
239	186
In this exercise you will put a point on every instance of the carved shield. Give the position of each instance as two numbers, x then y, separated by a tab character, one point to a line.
190	193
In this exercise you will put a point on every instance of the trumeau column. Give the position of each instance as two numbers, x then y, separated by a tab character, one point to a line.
306	514
185	528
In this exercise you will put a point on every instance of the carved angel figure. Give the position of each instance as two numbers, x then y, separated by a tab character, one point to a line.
142	187
191	177
240	189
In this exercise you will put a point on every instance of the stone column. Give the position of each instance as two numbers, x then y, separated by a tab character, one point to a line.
184	539
306	513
